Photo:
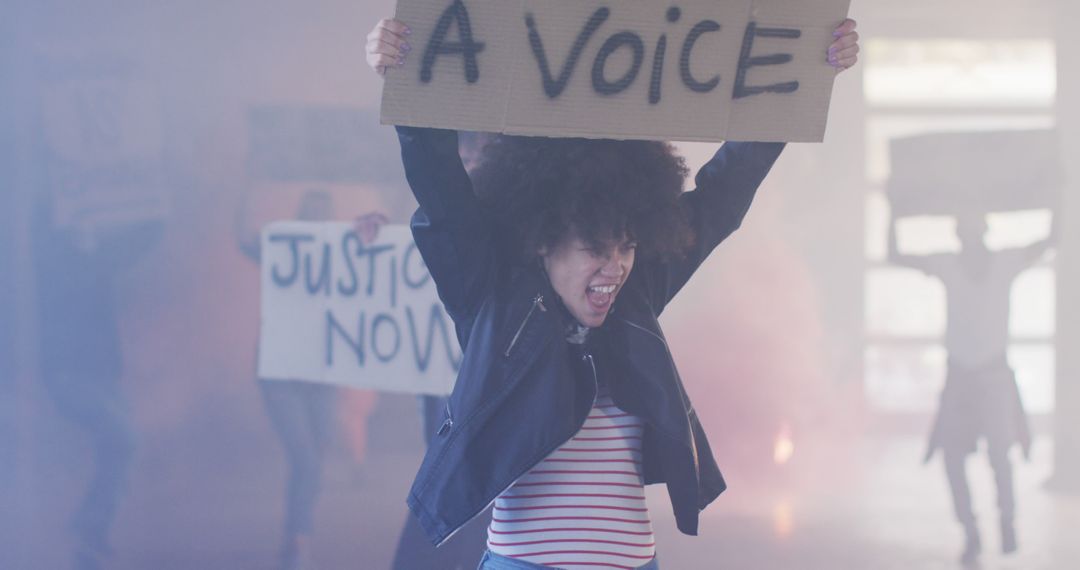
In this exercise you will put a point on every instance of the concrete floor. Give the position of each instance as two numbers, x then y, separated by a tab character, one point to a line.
882	511
897	517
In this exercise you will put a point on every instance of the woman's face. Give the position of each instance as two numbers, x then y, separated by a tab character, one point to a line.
587	280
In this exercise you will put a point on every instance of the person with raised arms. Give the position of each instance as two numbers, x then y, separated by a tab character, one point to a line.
555	257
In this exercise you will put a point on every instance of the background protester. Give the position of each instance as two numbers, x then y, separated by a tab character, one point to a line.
81	354
981	399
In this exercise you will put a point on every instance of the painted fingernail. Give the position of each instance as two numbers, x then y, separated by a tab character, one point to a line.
400	61
408	30
405	47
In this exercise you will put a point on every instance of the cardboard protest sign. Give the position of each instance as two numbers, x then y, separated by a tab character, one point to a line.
691	70
965	172
337	311
102	137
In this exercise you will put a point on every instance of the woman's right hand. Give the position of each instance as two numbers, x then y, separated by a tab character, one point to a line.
387	45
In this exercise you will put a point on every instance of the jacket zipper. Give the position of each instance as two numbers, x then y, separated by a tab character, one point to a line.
641	328
538	301
693	444
448	423
596	391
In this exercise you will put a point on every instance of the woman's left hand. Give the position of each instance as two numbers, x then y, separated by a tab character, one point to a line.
844	52
367	226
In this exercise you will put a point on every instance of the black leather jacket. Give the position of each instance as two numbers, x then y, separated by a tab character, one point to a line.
520	393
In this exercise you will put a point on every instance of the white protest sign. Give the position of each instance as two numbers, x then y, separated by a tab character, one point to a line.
338	311
691	70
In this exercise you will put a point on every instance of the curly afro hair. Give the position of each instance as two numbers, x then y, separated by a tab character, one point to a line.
541	190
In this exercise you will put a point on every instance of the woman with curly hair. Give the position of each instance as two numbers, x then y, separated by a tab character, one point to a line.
555	257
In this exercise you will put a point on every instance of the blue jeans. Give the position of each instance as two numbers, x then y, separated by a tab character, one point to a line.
492	561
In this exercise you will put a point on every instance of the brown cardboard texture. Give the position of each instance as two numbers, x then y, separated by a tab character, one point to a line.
692	70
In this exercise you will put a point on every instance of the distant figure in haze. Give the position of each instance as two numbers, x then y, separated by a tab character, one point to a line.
980	398
81	358
303	414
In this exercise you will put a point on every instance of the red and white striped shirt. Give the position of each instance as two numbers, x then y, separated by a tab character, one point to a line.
583	507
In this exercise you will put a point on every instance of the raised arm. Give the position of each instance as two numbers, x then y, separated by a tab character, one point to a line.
937	265
920	262
1019	259
726	186
893	253
250	243
1035	251
451	232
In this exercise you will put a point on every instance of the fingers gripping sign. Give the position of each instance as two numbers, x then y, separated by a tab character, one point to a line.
387	45
367	226
844	52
